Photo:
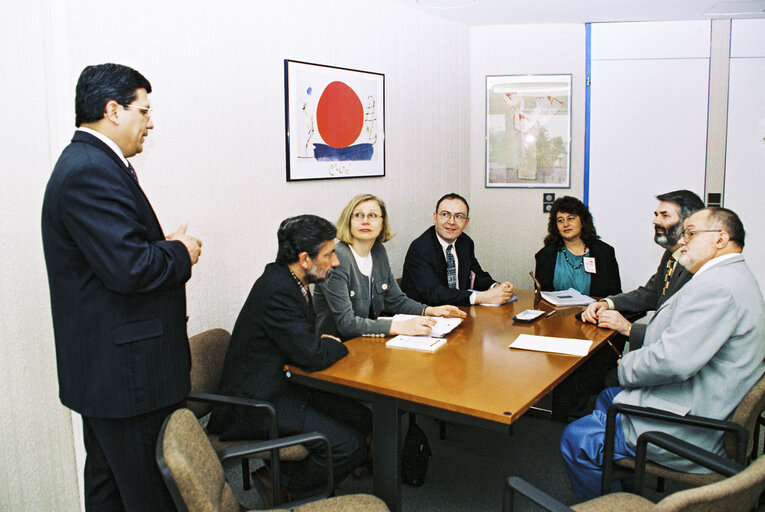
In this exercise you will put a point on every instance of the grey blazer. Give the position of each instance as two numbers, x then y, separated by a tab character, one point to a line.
343	304
649	298
703	351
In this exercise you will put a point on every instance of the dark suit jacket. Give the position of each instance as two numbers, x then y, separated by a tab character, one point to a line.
116	286
424	278
274	328
638	302
605	281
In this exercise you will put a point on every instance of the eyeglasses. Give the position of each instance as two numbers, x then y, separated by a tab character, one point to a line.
372	216
458	217
690	233
146	111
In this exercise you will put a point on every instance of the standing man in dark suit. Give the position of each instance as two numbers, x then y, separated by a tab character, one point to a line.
674	207
117	288
277	327
441	267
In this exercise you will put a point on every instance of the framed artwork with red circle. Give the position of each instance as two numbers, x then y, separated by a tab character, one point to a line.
334	120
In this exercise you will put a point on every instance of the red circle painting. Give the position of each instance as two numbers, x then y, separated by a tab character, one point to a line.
339	115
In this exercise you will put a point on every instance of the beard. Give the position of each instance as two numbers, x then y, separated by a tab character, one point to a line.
313	276
668	237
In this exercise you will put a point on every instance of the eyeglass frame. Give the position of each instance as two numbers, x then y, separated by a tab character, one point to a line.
458	217
372	216
694	231
145	111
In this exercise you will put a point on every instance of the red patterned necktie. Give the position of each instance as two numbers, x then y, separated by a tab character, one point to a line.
132	173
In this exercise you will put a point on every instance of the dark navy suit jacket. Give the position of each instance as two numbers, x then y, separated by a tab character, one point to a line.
116	286
424	278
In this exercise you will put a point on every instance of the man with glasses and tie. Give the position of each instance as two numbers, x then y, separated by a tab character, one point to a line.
703	352
441	267
118	297
674	207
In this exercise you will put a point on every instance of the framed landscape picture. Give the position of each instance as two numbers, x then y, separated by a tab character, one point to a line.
528	131
335	122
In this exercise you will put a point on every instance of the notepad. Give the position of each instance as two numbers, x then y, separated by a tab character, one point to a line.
443	325
549	344
570	297
421	343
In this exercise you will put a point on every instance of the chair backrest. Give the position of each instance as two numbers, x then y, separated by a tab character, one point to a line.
735	494
190	467
208	351
746	414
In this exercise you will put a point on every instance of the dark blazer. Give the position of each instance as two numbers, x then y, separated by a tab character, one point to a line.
424	278
116	286
274	328
605	281
648	297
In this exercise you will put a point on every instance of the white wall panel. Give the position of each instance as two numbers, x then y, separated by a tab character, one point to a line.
648	136
745	162
747	38
653	40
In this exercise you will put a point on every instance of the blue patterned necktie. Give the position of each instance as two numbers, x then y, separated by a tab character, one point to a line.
451	267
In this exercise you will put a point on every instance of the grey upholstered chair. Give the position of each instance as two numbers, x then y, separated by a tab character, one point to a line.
737	493
208	351
197	483
739	435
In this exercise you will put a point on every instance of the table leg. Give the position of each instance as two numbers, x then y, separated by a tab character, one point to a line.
387	464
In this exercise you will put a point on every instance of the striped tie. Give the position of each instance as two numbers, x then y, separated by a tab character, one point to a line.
451	267
671	264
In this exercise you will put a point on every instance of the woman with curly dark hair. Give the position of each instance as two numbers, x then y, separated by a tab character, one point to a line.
573	255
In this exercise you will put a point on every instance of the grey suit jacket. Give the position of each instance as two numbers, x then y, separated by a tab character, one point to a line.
649	298
703	351
343	304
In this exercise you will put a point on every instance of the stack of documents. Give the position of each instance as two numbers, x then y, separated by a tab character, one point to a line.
443	325
549	344
422	343
570	297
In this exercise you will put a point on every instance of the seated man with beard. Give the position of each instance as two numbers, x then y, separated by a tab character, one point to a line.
276	328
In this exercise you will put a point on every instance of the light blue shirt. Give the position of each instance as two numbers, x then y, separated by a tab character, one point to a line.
567	276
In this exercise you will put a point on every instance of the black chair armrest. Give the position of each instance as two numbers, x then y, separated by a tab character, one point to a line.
518	485
273	431
740	433
274	445
684	449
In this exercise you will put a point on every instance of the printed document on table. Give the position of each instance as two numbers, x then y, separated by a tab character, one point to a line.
549	344
443	325
422	343
570	297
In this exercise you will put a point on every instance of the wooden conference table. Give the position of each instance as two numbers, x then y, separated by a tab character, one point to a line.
474	379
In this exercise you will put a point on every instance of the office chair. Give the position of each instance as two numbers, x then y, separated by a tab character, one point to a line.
197	483
208	352
739	433
737	493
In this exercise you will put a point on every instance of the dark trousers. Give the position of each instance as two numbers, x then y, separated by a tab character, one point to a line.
121	471
346	423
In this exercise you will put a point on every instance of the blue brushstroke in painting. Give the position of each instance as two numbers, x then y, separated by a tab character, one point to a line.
325	153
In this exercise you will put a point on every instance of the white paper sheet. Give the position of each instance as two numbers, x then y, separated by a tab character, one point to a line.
422	343
443	325
549	344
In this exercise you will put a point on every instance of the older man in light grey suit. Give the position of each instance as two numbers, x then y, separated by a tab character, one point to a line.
703	351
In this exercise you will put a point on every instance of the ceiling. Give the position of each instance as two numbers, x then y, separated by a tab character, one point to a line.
513	12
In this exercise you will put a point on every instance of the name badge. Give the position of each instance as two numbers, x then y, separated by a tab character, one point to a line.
589	265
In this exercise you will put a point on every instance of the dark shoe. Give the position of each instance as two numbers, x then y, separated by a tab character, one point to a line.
263	476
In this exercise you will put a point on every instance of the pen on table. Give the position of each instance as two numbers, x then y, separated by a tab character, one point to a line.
551	313
614	348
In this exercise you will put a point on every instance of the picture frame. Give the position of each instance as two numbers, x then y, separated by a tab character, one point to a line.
528	131
335	122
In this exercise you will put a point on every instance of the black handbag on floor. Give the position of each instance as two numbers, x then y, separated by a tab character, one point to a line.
415	455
